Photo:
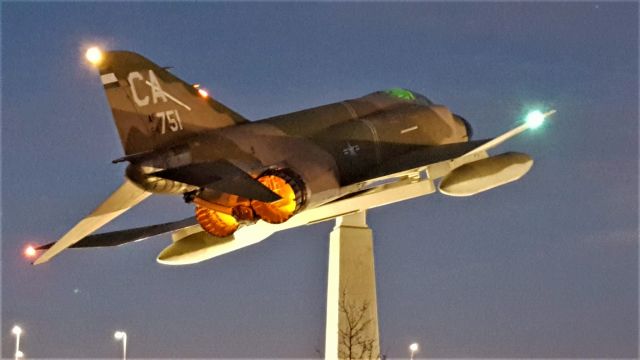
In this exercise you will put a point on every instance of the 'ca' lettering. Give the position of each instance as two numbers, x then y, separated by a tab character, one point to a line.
136	75
156	90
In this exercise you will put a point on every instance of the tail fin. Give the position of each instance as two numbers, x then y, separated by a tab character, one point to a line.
152	108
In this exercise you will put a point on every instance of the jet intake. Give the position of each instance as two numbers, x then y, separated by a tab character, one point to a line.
482	175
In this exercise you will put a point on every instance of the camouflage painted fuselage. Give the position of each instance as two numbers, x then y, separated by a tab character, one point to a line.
165	123
328	147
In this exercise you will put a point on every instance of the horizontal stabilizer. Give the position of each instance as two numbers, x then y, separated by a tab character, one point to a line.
121	237
124	198
222	176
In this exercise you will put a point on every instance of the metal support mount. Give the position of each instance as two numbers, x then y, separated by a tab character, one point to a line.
352	308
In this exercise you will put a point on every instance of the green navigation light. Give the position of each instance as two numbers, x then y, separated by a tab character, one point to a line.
401	93
534	119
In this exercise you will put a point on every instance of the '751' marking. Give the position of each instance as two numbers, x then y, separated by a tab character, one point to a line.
169	119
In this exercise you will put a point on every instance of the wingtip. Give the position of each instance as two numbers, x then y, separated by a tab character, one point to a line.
46	256
39	261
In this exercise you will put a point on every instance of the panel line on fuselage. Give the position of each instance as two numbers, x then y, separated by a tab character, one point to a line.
350	109
376	139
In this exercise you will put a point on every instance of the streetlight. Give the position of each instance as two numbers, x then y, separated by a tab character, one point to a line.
121	335
413	347
17	330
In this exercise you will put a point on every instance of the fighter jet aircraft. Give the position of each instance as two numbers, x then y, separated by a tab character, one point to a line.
249	179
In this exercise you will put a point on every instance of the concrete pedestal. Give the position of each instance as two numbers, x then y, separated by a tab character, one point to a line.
352	309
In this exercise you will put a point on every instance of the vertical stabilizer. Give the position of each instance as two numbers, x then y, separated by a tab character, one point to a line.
152	108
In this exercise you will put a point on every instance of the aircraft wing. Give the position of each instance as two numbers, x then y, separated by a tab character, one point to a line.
125	197
508	135
121	237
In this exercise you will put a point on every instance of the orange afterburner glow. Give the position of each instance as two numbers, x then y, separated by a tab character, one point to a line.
203	93
216	223
278	211
30	251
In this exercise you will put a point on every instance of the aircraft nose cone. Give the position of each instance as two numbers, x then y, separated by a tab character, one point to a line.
467	125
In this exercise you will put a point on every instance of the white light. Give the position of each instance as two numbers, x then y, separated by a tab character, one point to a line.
413	347
19	354
30	251
121	335
94	55
17	330
534	119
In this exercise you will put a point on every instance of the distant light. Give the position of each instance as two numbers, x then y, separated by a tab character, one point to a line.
19	354
203	93
17	330
94	55
534	119
121	335
413	347
30	251
196	85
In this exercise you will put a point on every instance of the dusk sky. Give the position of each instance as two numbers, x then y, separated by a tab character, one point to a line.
546	267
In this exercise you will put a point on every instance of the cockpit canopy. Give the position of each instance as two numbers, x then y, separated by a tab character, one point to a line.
394	96
407	95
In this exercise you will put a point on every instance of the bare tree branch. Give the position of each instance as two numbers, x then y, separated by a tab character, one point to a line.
353	342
